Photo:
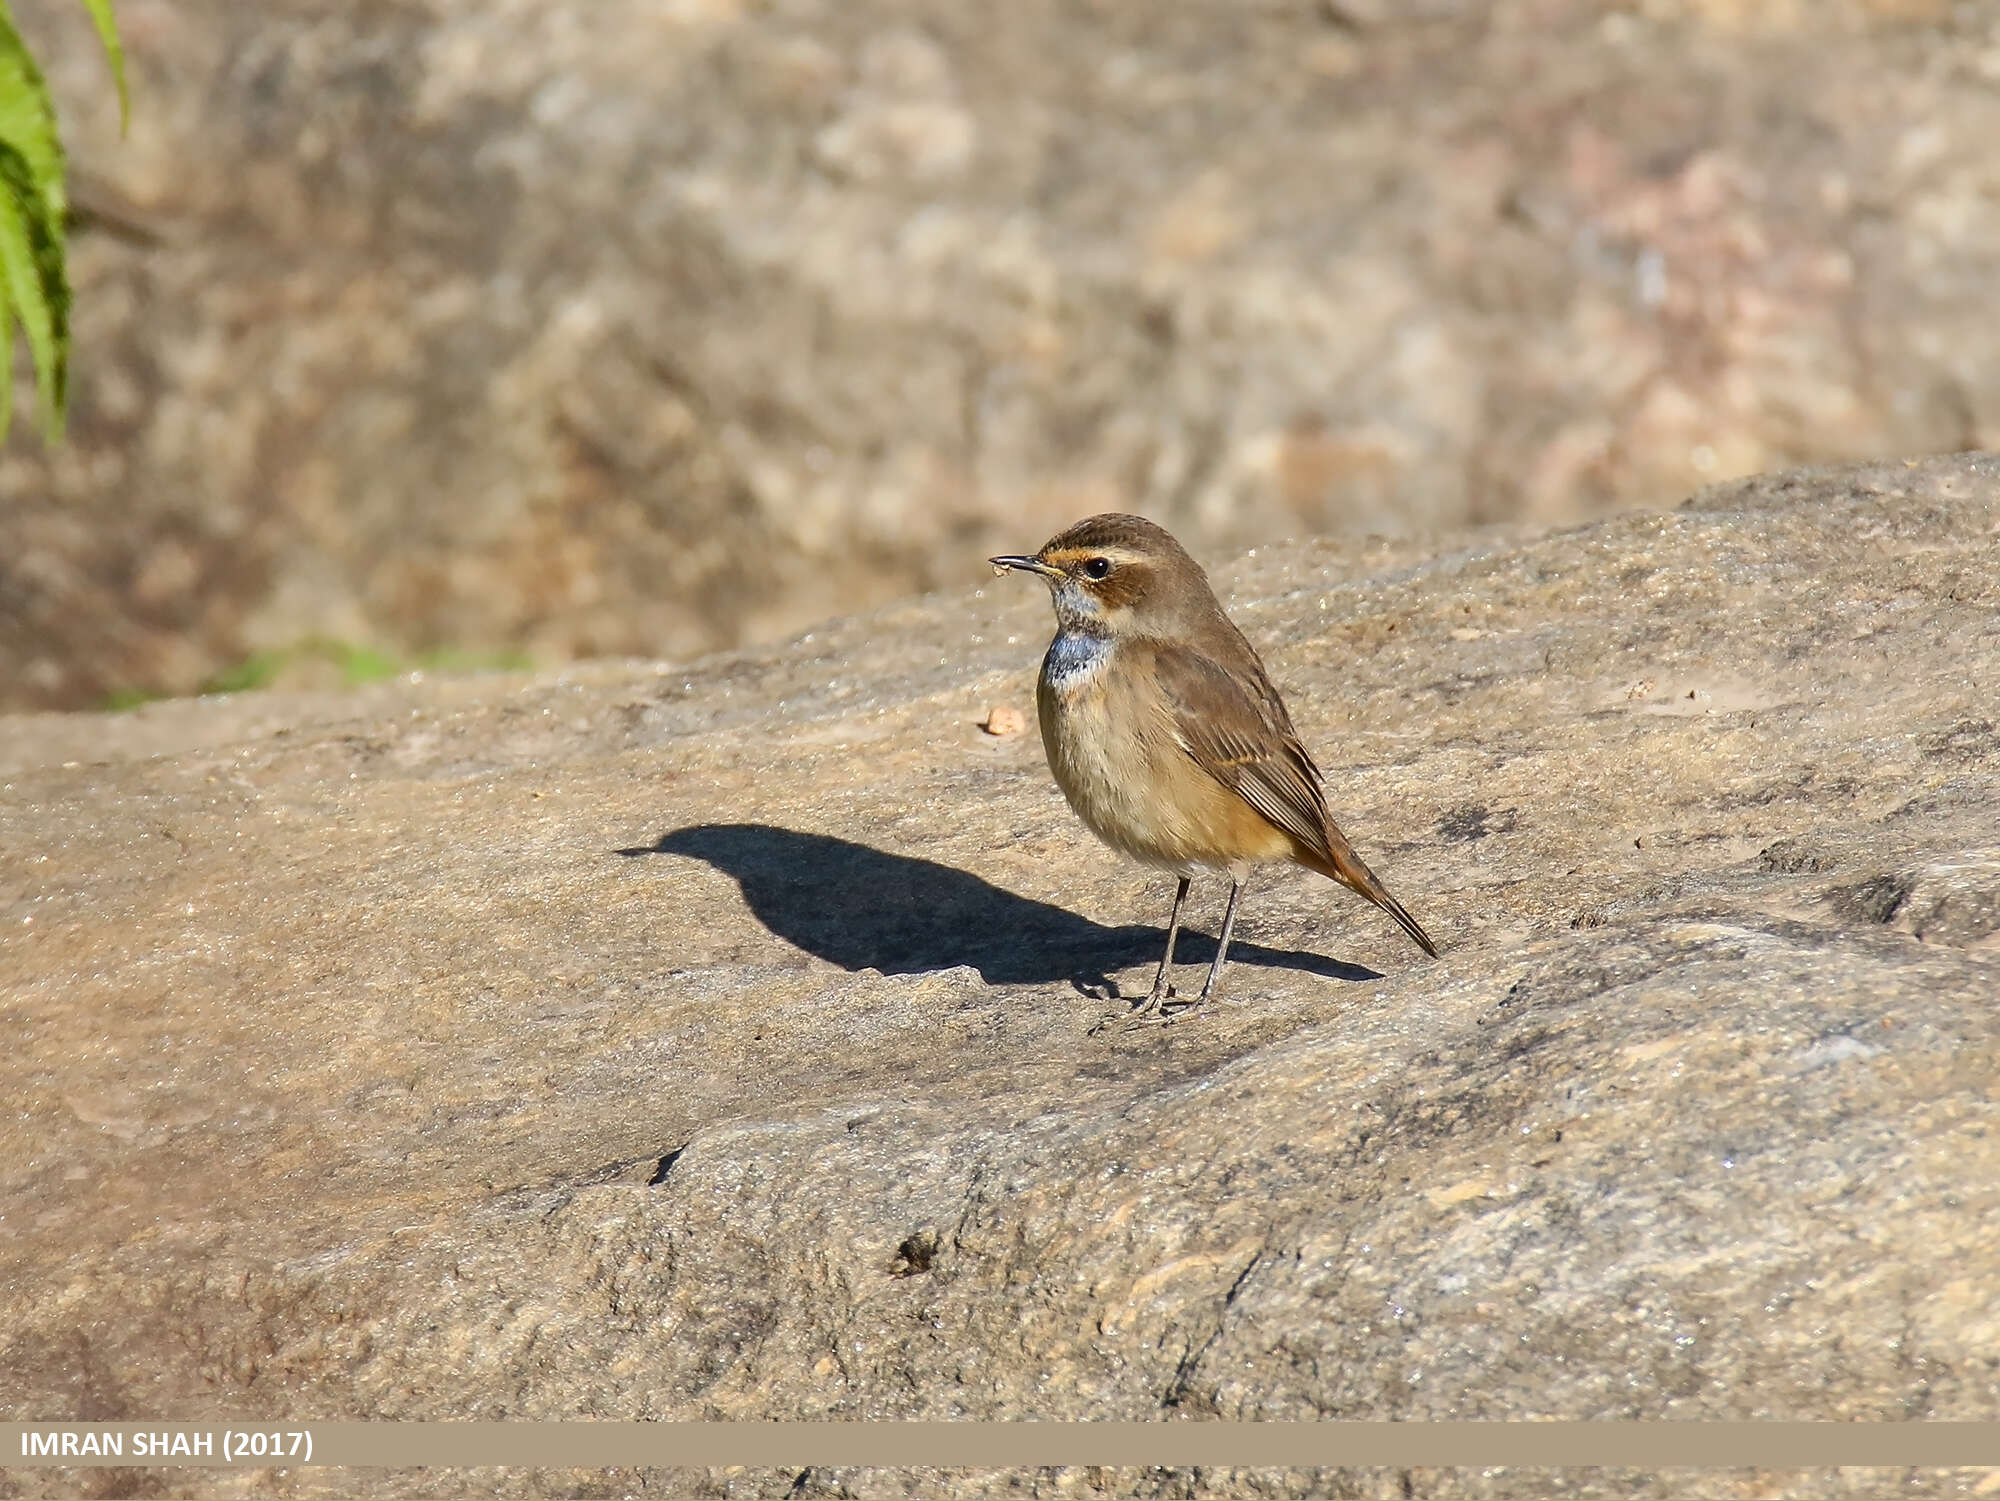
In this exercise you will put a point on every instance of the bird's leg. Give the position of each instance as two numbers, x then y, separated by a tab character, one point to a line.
1221	946
1153	1002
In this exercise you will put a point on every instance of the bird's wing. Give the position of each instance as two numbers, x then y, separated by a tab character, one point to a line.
1236	729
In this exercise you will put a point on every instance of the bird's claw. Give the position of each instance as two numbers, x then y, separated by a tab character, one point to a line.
1153	1012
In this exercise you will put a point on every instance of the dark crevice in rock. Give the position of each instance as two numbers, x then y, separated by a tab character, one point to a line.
1876	900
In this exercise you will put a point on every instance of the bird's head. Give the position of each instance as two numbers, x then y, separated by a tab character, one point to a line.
1117	575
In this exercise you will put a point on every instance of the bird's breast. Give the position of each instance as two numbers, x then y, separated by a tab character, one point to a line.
1102	742
1112	745
1088	741
1075	662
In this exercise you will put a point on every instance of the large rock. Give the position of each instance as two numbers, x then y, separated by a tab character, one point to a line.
573	327
734	1040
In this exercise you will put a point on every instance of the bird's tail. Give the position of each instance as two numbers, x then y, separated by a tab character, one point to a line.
1339	862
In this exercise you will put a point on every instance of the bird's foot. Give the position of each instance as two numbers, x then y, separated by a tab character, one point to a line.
1153	1010
1190	1009
1148	1009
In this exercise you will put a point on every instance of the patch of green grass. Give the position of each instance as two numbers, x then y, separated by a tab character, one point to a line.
257	670
448	659
361	664
358	665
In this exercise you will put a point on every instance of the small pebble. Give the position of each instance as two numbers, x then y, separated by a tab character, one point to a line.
1003	719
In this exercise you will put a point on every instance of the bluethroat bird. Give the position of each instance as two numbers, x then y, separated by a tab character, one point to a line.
1165	734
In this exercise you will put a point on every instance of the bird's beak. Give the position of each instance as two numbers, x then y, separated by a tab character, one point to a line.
1025	565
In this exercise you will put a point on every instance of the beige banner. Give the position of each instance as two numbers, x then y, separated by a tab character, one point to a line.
1002	1446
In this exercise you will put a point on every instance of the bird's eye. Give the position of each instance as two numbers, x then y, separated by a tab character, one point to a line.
1097	568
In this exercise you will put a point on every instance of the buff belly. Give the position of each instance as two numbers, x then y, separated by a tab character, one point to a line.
1113	751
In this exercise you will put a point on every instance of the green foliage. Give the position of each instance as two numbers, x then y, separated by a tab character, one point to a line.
107	33
34	280
356	664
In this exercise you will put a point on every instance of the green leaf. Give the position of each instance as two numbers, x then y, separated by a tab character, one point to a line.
107	33
33	286
6	364
27	114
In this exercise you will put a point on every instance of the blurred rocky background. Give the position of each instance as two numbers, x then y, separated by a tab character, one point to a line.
570	327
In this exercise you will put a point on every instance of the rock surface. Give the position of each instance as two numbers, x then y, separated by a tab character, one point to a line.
733	1040
582	327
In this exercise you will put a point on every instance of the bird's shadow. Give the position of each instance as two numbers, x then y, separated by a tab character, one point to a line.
864	908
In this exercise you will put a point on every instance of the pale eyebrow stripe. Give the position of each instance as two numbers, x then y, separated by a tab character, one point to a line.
1115	554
